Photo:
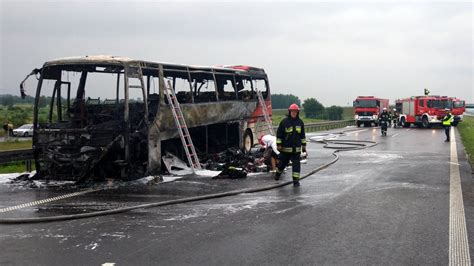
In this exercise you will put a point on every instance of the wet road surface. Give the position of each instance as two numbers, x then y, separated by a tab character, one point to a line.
388	204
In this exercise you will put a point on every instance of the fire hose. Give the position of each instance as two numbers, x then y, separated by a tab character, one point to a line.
337	145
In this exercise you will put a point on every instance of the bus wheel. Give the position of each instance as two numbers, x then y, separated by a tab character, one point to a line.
247	141
424	122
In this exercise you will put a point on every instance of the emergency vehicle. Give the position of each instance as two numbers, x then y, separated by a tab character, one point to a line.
459	107
423	111
367	109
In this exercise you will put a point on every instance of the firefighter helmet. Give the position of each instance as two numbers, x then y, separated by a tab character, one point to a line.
293	107
385	108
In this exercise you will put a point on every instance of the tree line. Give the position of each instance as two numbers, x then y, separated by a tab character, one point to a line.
312	107
9	100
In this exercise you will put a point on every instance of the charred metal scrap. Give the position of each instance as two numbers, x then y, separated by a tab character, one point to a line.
233	157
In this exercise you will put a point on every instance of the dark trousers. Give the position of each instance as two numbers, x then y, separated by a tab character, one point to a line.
447	129
285	158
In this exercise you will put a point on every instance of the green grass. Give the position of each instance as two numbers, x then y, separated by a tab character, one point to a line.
14	168
279	114
466	129
15	145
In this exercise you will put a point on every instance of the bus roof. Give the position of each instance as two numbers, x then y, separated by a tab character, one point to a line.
119	60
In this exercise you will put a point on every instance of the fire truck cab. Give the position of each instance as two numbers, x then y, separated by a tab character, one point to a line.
459	107
367	109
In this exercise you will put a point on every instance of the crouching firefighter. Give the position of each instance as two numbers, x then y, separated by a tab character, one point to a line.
291	142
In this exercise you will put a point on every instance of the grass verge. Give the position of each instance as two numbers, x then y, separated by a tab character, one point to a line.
15	144
466	129
18	167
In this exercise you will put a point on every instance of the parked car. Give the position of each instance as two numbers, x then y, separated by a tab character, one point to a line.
24	131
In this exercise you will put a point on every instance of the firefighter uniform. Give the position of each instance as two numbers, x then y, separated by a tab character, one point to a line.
291	142
447	120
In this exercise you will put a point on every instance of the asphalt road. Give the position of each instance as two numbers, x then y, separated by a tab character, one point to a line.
389	204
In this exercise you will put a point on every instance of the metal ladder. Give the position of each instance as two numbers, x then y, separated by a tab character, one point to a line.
268	122
191	154
134	72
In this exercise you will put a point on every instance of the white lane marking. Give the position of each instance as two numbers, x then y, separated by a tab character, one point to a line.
408	129
395	135
458	241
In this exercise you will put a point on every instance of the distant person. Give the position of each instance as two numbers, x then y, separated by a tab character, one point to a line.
271	152
8	127
447	120
384	120
395	117
291	141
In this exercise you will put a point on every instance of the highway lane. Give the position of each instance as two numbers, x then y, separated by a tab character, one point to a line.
385	205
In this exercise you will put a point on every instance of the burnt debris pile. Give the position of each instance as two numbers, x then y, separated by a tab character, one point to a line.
233	161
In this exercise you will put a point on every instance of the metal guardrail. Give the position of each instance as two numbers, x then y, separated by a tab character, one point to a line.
15	156
319	126
12	156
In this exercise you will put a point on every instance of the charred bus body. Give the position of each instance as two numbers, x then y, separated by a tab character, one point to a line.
124	134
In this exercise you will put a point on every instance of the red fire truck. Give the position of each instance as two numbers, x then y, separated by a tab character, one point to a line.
459	107
367	109
423	111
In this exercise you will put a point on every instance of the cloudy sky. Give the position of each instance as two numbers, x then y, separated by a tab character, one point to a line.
332	51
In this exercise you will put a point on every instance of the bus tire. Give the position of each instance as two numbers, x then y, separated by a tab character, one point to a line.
424	122
247	141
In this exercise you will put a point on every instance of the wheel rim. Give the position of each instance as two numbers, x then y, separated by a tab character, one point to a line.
247	143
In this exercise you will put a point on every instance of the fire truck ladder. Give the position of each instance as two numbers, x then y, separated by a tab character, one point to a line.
191	154
268	122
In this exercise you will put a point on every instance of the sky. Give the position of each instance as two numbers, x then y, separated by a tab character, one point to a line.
332	51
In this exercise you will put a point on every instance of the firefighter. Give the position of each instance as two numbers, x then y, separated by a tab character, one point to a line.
384	121
291	142
271	152
447	120
395	118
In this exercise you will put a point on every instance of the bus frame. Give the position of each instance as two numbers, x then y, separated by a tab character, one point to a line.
124	138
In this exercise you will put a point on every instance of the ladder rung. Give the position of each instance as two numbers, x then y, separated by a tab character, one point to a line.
135	86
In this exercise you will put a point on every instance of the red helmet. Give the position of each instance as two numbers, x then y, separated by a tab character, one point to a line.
294	107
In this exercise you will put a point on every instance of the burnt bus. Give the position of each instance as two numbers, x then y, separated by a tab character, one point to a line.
108	116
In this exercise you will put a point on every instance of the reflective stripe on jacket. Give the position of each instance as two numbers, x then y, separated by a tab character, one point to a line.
448	119
290	135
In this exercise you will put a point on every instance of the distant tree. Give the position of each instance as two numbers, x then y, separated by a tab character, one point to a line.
334	112
283	101
43	101
314	109
7	100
